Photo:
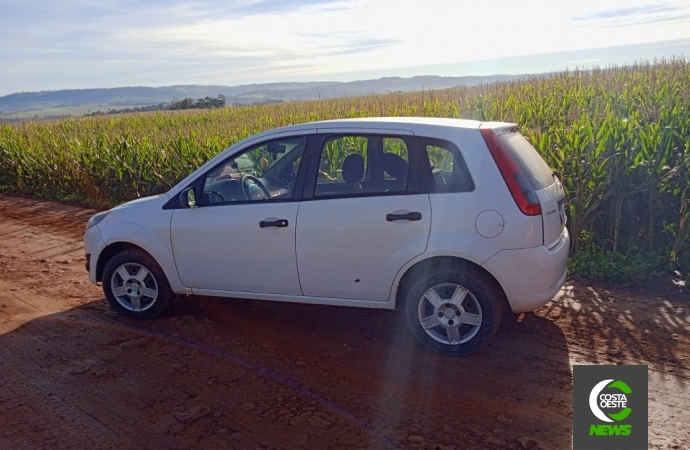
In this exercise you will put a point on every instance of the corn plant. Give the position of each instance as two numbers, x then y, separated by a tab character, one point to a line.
618	137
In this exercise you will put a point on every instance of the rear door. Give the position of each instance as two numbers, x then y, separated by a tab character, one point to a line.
365	213
548	188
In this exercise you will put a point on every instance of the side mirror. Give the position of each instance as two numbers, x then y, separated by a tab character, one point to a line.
188	198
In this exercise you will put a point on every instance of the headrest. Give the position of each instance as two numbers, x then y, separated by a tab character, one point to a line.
395	166
353	168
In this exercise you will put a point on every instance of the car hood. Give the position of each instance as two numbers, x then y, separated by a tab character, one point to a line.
143	202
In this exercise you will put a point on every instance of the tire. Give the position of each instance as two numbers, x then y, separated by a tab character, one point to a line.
133	292
465	301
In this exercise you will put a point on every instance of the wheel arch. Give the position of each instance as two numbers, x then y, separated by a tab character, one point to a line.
113	249
437	263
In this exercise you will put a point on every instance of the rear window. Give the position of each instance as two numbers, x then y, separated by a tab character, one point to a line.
532	164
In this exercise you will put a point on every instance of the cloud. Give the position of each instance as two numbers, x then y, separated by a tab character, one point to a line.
82	43
645	14
616	13
675	19
264	7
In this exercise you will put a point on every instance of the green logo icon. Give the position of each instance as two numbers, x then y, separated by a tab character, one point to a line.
603	404
598	400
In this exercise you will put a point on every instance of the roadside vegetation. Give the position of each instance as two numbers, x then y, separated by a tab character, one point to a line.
619	138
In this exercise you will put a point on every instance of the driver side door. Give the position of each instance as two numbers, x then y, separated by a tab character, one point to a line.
241	237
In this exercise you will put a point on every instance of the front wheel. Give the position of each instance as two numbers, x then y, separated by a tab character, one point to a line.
453	313
135	285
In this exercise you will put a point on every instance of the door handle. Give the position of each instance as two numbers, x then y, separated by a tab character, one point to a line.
405	216
279	223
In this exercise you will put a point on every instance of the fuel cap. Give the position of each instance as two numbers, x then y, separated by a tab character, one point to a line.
489	223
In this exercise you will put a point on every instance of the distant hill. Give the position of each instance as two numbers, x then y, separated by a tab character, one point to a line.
244	94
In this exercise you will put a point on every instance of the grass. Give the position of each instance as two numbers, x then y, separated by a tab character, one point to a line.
619	137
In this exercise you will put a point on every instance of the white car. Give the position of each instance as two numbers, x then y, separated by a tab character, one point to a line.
455	222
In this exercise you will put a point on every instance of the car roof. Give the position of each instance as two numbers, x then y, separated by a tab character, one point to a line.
396	123
392	121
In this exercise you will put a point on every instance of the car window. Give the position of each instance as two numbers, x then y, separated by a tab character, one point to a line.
533	166
357	165
448	172
267	171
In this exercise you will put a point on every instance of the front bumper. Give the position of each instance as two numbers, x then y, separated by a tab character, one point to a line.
93	245
531	277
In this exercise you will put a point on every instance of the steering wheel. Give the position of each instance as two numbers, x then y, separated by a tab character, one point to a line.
257	182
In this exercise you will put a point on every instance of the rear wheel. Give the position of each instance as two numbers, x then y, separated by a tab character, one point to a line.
455	312
135	285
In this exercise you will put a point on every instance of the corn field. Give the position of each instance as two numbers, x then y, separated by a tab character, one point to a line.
618	137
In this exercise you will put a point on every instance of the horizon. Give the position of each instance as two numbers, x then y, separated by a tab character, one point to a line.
80	45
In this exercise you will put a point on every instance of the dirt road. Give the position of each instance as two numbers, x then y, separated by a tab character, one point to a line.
240	374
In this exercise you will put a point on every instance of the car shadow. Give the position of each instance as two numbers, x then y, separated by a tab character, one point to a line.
226	373
519	386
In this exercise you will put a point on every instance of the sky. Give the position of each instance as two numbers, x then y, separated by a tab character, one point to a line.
74	44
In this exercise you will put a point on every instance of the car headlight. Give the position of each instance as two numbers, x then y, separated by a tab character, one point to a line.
96	219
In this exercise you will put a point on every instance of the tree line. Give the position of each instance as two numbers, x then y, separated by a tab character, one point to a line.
187	103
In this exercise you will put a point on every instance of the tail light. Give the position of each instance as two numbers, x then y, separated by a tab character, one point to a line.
518	184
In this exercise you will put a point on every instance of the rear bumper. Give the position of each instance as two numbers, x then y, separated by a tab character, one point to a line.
531	277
